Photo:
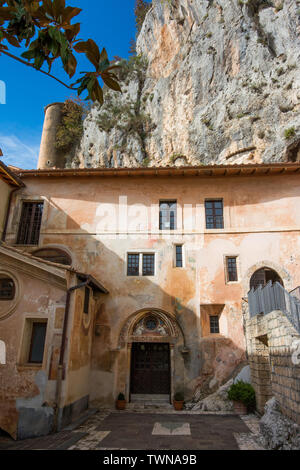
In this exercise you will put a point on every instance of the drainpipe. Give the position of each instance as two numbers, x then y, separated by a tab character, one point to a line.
60	371
7	214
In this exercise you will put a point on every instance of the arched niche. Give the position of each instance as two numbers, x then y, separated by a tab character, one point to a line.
150	325
55	255
283	274
262	276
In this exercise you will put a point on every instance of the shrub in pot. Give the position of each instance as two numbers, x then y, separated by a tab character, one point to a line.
121	402
243	396
178	401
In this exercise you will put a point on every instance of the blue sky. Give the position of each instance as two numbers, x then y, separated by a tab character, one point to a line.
110	23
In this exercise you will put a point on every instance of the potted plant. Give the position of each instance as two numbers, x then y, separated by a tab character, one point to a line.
178	401
121	402
243	396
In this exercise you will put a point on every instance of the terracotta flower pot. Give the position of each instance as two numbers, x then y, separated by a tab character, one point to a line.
178	405
121	404
240	408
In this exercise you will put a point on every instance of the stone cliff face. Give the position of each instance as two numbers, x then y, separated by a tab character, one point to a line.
216	82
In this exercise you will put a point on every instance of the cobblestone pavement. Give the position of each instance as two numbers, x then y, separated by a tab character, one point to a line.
151	430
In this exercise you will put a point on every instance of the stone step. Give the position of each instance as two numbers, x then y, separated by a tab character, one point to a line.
136	398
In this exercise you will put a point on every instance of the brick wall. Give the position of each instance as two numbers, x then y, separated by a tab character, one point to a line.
270	341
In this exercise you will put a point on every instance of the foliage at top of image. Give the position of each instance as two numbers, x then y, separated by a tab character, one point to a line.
45	29
70	130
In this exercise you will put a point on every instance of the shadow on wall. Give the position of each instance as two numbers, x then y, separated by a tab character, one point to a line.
211	361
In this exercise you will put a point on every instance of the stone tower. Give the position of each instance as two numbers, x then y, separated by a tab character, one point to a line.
49	156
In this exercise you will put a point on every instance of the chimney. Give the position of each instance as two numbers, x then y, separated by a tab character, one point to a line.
49	156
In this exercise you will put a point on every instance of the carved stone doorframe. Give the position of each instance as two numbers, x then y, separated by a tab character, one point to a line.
149	325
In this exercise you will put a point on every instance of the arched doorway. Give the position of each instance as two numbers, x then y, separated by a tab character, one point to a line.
155	347
264	275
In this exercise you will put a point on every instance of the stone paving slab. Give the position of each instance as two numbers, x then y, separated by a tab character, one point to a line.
60	441
117	430
138	432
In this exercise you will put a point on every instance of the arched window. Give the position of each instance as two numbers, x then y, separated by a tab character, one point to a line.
7	288
55	255
263	276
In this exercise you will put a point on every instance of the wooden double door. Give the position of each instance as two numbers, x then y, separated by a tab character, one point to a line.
150	368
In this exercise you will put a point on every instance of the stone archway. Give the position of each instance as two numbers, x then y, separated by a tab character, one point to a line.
151	326
282	273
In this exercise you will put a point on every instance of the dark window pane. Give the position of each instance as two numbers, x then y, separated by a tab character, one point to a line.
232	269
7	289
214	214
133	265
179	256
214	324
167	215
86	300
148	265
30	223
37	342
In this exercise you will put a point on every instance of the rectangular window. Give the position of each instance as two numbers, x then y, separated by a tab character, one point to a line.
231	269
133	265
179	258
37	343
214	324
148	265
214	214
167	215
30	223
86	300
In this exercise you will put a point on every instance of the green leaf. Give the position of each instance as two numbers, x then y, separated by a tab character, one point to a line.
111	83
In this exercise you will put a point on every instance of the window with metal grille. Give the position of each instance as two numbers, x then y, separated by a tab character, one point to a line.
133	265
148	265
30	223
86	300
232	274
214	214
167	215
214	324
7	289
179	258
37	343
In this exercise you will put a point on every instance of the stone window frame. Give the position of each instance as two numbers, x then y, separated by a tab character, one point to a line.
141	253
174	245
23	357
17	214
238	268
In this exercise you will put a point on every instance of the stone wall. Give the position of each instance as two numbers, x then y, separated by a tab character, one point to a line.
275	367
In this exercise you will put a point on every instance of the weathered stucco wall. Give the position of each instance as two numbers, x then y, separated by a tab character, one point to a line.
27	391
261	228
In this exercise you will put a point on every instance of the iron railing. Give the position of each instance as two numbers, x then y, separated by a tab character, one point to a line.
296	292
272	297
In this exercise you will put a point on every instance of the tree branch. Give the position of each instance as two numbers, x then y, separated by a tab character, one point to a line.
38	70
